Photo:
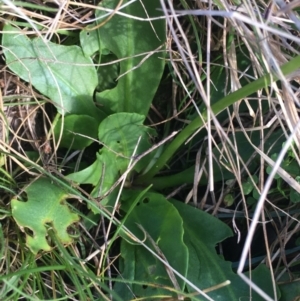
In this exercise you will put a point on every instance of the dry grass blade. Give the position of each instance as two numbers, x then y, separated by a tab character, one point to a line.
240	42
268	49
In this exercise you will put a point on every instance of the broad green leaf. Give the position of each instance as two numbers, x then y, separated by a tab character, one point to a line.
206	268
62	73
78	131
290	291
89	175
161	221
131	41
119	134
45	205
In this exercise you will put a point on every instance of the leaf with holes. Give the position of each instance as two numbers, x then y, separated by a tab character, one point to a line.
45	205
120	133
187	237
159	219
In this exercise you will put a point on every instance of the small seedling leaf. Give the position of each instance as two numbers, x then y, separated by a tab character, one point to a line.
294	195
251	201
247	187
45	206
228	200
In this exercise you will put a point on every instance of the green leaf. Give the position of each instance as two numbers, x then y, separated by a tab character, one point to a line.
291	166
294	195
201	233
228	200
206	268
78	131
161	221
89	175
45	205
130	40
62	73
220	172
290	291
251	200
255	194
119	134
217	108
247	187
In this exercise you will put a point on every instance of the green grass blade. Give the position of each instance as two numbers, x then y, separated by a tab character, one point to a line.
218	107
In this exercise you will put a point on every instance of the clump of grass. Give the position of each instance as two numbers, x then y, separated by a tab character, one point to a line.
233	71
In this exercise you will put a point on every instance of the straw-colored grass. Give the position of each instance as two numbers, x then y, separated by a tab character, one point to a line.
204	39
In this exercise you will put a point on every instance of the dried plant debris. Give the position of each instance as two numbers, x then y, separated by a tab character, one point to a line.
23	124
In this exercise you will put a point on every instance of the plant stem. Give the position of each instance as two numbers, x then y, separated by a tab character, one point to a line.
218	107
